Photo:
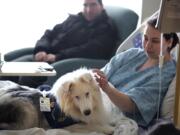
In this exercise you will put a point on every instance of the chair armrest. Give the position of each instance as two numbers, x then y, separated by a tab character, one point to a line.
18	53
69	65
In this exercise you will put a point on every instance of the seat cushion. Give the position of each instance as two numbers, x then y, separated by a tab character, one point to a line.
125	21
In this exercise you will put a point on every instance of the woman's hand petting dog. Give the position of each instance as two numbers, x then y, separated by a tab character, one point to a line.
102	80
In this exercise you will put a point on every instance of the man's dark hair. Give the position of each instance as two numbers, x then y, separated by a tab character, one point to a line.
100	2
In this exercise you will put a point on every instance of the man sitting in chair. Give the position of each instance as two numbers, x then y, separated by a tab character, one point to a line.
89	34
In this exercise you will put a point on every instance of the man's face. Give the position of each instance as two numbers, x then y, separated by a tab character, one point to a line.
92	9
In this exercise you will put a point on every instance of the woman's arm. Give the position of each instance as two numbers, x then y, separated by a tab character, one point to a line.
121	100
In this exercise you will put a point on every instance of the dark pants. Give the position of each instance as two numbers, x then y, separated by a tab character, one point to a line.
10	78
31	81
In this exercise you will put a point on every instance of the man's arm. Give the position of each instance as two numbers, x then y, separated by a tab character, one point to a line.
44	43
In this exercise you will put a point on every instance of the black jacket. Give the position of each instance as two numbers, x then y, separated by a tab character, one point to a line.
76	37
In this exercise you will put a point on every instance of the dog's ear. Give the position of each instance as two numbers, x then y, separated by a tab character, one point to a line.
67	86
86	78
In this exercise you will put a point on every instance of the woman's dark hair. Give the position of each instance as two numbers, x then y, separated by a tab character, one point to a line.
152	22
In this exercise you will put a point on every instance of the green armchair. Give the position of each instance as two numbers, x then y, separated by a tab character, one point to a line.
125	20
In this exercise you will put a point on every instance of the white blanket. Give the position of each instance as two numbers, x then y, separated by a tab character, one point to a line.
124	127
40	131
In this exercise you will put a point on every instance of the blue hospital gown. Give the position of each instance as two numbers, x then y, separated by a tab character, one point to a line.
141	86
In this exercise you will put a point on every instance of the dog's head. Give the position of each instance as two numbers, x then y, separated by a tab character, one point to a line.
78	93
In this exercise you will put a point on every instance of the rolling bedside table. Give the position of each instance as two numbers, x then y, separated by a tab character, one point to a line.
26	69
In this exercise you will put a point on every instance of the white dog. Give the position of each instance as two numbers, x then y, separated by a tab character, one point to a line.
75	94
80	97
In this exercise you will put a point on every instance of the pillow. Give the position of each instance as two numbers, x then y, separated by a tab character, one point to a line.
167	108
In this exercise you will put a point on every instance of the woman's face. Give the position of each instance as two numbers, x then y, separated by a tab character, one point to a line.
151	42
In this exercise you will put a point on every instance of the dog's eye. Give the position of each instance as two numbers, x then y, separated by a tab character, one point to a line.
87	94
77	97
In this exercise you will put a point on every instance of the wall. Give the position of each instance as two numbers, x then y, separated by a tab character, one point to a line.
149	7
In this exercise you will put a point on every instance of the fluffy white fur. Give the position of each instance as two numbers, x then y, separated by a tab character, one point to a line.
81	98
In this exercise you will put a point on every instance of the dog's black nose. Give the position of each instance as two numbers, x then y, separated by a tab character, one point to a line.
87	112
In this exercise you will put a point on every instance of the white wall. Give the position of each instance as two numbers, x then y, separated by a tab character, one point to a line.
24	21
149	7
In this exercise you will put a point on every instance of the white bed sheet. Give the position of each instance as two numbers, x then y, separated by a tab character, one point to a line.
40	131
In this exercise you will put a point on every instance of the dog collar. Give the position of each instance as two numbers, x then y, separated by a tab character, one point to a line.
56	118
